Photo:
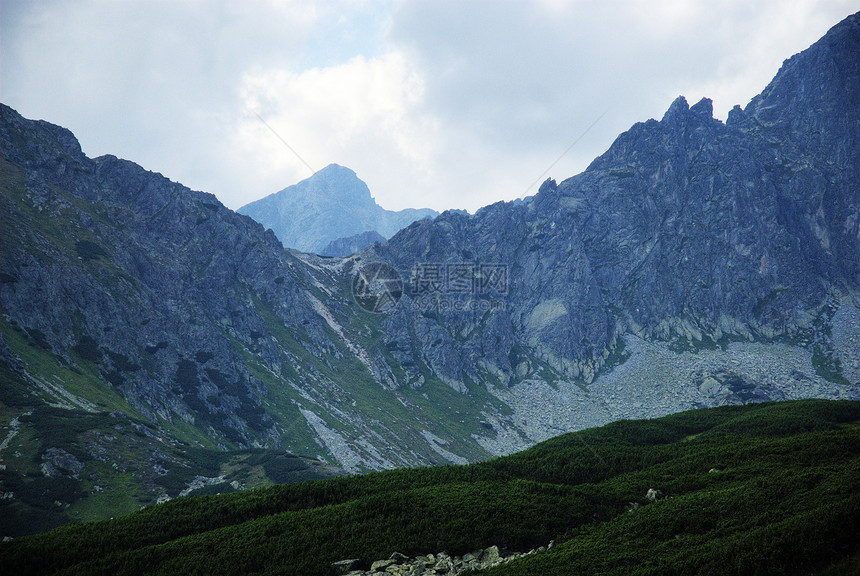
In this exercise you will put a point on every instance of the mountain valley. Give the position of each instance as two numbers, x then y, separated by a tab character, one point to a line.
154	343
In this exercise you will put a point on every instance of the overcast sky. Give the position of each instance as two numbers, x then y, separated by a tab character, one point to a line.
439	104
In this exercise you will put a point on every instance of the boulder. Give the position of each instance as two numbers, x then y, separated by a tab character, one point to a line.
653	495
380	565
345	566
473	556
491	556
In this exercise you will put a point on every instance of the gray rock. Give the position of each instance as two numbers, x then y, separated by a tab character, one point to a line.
57	461
491	556
345	566
472	556
653	495
351	244
686	228
382	564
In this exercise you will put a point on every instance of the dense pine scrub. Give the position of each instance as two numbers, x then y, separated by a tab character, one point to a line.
759	489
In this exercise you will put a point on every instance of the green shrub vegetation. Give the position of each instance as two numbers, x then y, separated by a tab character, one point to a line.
759	489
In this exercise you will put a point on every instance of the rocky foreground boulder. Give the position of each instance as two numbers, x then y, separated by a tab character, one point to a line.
433	564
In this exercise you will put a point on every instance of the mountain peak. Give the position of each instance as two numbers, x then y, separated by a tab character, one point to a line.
823	78
704	109
331	205
677	109
335	181
334	168
336	172
680	109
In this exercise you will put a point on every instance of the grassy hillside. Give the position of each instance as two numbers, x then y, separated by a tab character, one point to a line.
758	489
73	450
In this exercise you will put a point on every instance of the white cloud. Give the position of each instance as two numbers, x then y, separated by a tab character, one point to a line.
520	81
155	81
365	114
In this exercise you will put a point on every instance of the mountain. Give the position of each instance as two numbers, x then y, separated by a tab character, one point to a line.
153	342
330	205
124	328
343	247
686	230
760	489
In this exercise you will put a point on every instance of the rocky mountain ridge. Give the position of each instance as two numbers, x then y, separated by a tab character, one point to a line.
349	245
685	228
332	205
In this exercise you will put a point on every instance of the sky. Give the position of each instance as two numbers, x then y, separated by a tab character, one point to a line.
433	103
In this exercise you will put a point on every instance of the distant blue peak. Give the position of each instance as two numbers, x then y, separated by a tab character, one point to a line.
335	169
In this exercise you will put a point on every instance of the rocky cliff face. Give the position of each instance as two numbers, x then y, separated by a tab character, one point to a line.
138	275
330	205
343	247
685	228
695	263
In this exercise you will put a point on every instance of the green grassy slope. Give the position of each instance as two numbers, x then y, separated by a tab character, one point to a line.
107	460
758	489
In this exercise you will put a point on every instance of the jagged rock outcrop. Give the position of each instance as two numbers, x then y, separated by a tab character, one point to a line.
332	204
351	244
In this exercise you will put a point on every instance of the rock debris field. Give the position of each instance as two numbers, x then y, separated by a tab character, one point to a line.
433	564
